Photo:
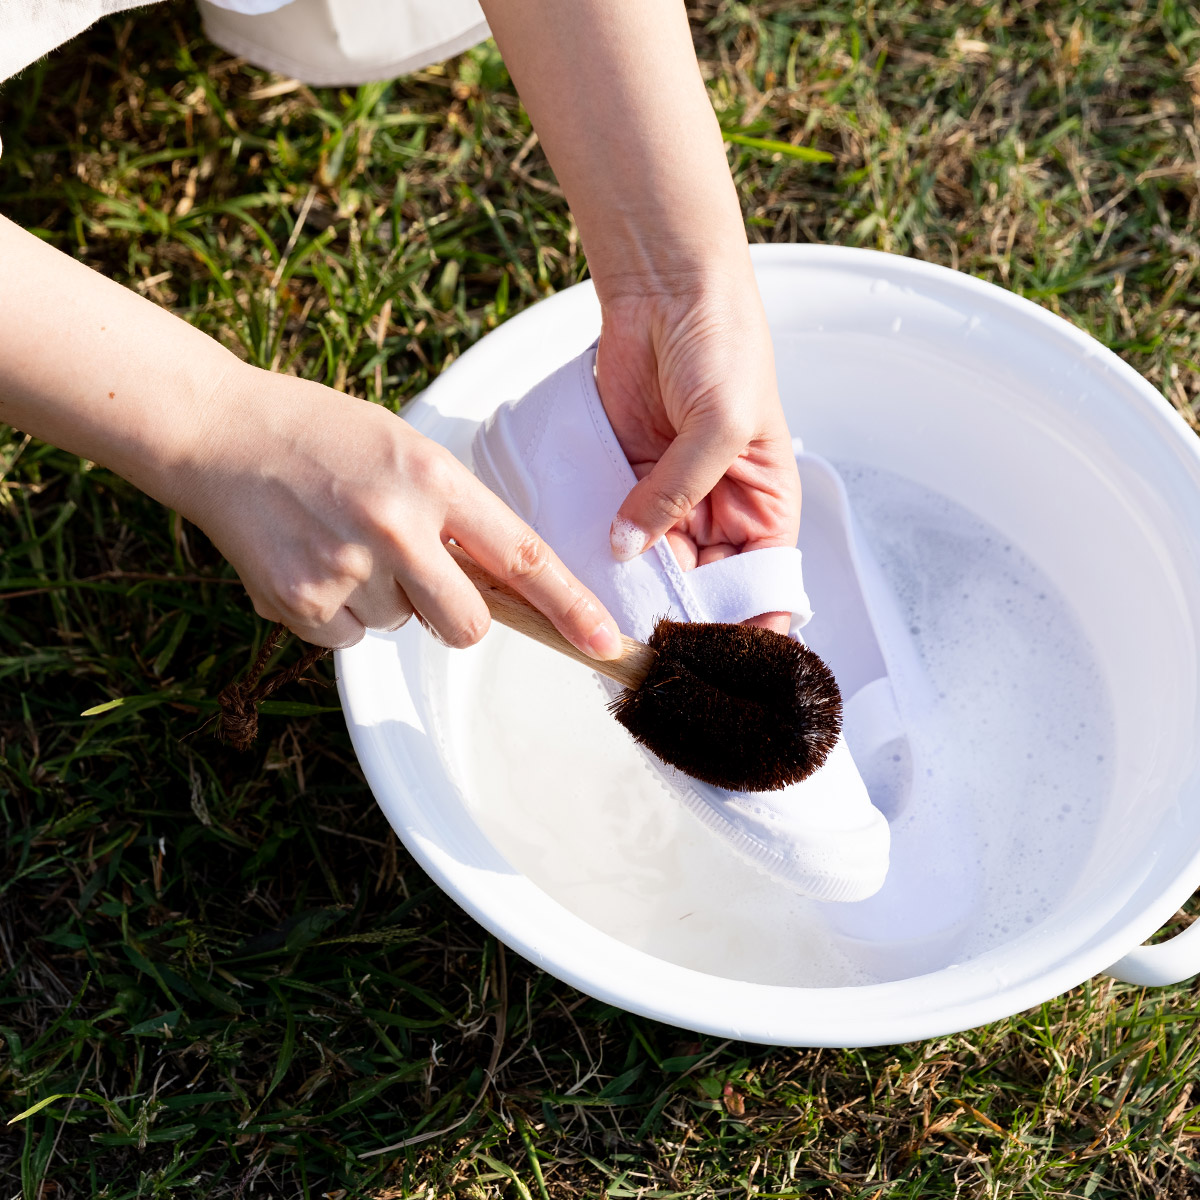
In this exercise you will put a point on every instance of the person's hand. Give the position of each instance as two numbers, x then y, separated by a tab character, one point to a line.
685	367
688	382
335	513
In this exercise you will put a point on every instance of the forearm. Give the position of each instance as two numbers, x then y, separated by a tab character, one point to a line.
91	366
616	97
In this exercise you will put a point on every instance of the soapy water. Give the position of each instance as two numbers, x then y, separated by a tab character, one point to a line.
1012	761
1009	773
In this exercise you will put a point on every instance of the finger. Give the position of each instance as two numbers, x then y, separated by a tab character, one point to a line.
715	553
690	467
316	622
381	604
780	622
342	631
496	538
445	599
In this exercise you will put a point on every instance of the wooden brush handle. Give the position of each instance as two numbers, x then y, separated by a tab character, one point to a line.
510	608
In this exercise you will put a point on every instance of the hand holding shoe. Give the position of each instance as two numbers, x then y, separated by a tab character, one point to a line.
688	383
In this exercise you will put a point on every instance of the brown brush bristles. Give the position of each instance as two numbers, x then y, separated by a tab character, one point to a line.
734	705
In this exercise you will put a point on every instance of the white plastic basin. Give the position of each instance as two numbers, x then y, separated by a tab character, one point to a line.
932	377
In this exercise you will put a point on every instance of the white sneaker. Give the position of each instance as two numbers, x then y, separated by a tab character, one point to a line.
554	459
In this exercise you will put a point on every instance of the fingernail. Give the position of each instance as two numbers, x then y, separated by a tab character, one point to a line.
626	539
605	642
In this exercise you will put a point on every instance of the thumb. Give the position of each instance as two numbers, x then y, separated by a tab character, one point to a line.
691	466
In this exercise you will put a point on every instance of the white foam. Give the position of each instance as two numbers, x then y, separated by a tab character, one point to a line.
1012	765
1011	775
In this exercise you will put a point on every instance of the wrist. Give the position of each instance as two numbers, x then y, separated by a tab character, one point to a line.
218	425
192	425
623	114
644	251
711	294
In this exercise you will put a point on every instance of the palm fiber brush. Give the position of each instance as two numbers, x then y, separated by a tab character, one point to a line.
735	706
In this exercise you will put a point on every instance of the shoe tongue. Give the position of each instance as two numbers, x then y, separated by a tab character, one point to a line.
750	584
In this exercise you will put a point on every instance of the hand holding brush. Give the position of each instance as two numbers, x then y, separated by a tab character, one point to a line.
736	706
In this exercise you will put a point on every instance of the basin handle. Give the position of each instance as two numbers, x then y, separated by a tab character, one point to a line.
1171	961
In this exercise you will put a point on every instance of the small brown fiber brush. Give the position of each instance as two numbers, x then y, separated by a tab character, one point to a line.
735	706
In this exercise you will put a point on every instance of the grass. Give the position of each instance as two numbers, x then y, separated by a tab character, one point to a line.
221	975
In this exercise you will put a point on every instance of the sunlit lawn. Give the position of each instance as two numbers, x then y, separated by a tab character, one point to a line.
225	965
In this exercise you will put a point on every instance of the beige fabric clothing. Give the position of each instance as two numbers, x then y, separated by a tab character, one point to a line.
336	42
32	28
321	42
